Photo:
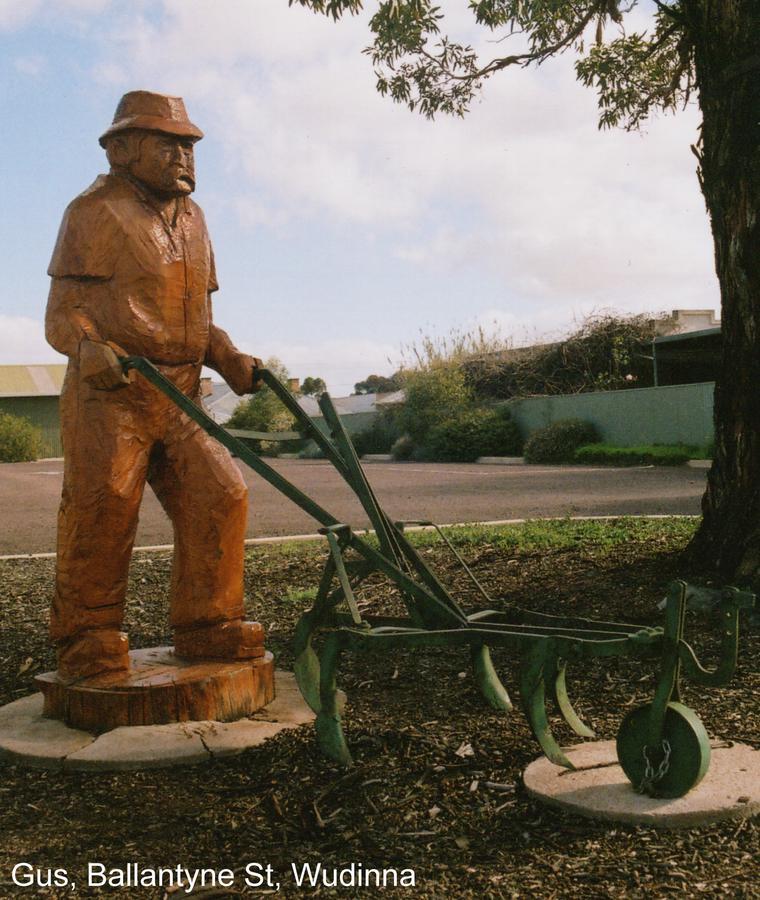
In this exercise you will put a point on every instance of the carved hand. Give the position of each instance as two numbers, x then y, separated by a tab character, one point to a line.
99	366
257	384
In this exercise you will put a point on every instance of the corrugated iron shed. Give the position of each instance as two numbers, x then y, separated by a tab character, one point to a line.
32	381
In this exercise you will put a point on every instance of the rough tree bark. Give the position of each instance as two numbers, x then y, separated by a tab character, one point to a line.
725	35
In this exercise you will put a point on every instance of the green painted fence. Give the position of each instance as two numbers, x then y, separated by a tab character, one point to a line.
673	414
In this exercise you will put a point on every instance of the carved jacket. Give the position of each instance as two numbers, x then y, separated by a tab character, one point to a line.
126	273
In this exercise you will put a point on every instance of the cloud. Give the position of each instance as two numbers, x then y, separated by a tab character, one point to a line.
16	14
525	189
524	193
22	342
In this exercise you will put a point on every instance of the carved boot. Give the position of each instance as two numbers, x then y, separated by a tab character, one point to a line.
93	652
237	639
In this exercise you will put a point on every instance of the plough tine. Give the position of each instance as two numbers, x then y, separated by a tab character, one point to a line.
487	680
328	725
565	707
533	697
306	665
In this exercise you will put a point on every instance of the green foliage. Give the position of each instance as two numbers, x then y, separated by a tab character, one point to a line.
639	72
473	433
20	441
606	351
590	537
650	455
403	448
432	394
311	451
379	437
558	442
634	73
263	411
379	384
300	595
313	387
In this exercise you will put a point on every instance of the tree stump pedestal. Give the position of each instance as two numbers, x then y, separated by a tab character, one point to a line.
161	688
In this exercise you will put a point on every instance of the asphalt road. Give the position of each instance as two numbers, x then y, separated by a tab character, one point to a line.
443	493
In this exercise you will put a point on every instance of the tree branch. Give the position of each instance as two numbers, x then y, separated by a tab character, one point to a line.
496	65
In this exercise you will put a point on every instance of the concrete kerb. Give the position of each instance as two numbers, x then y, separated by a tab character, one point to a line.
598	789
290	538
30	740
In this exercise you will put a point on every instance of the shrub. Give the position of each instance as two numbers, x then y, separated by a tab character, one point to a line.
379	437
653	455
20	441
263	411
403	448
473	433
432	395
558	442
312	450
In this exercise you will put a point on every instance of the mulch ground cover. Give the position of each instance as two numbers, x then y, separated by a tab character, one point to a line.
437	781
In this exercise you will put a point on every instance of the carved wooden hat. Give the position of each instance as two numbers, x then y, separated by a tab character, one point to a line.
154	112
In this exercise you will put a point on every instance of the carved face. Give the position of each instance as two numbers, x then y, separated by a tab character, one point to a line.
165	164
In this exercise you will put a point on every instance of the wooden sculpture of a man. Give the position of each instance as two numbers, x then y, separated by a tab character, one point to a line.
132	274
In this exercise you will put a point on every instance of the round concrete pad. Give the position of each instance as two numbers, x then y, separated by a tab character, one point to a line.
597	788
29	739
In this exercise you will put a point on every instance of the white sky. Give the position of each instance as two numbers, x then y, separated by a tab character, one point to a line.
342	224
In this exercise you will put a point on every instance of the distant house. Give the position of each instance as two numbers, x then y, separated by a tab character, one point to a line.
32	392
219	400
357	411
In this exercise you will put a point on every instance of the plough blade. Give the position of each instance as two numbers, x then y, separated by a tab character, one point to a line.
533	696
563	704
488	681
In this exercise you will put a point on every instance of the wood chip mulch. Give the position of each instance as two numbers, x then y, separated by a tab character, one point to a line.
437	784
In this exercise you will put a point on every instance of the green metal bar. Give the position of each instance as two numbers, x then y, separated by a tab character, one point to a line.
276	436
457	555
331	452
345	584
358	480
729	605
431	609
236	446
149	371
667	685
427	575
291	404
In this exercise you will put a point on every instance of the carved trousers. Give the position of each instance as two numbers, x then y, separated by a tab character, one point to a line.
113	443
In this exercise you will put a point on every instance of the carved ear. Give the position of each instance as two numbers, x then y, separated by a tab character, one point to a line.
121	150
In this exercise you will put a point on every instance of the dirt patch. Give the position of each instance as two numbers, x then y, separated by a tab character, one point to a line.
437	784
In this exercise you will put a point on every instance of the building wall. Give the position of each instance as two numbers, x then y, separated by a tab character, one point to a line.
353	422
42	412
673	414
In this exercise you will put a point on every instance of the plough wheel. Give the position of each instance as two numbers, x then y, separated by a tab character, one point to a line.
672	769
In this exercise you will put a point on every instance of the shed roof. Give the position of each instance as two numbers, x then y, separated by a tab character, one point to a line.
687	335
32	381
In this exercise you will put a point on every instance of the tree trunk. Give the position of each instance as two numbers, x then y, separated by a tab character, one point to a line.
725	35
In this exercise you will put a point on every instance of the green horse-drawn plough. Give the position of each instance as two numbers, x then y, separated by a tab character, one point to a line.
662	746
